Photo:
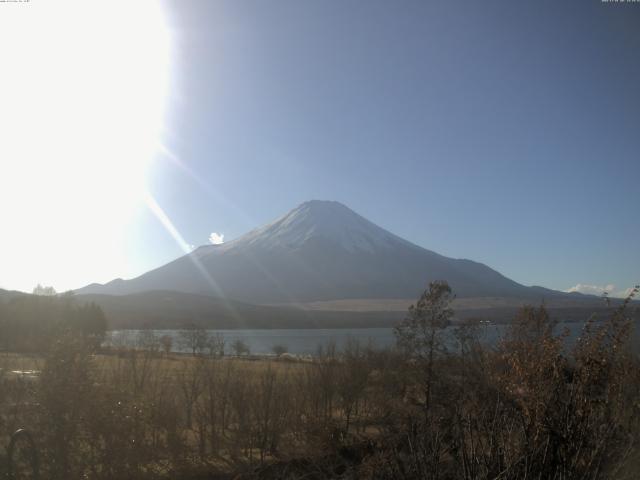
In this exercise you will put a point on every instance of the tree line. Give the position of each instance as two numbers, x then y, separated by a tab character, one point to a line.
30	323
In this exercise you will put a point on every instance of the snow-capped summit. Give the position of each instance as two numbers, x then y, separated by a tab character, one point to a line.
317	221
321	250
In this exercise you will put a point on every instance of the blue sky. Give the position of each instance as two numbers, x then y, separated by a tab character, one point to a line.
505	132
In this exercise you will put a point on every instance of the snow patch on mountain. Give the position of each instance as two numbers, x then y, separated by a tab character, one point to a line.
317	219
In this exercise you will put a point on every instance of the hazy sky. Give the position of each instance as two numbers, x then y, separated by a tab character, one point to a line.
504	132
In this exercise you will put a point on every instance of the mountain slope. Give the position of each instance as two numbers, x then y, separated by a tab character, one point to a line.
318	251
164	309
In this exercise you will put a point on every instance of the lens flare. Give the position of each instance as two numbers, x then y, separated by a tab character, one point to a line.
82	102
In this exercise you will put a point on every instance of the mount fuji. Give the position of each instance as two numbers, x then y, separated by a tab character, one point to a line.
319	251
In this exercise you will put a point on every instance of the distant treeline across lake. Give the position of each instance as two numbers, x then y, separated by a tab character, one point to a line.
308	341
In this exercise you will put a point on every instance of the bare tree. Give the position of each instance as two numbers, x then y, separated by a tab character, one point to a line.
215	345
148	340
194	339
44	291
352	379
191	383
166	341
279	349
239	347
419	333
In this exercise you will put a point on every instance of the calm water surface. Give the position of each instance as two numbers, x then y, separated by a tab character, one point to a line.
307	341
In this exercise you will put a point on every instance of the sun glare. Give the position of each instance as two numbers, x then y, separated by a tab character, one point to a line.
82	95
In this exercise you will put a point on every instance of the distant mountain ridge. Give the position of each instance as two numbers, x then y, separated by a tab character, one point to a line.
319	251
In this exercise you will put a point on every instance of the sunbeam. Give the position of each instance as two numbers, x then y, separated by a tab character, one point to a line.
166	222
83	100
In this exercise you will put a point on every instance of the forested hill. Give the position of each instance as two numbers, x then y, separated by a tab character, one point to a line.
31	322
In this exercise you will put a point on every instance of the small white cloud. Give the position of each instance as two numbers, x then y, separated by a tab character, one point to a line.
609	289
216	238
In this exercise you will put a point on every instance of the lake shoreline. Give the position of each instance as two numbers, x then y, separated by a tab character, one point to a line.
307	341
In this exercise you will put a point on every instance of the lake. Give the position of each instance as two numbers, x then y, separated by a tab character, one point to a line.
307	341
